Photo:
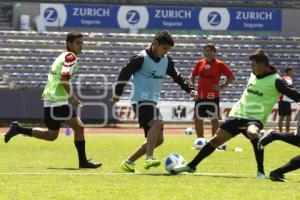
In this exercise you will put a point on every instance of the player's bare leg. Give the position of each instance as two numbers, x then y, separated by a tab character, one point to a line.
44	134
75	124
287	123
141	151
280	122
40	133
214	126
128	165
199	127
152	136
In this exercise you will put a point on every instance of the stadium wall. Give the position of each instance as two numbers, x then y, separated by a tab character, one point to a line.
290	18
26	105
183	112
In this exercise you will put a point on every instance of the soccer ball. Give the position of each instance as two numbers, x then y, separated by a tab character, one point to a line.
222	147
199	143
189	131
174	159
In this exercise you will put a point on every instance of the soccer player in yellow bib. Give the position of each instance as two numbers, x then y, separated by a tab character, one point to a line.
250	113
57	109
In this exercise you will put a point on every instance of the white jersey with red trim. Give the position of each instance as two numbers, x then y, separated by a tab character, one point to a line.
64	66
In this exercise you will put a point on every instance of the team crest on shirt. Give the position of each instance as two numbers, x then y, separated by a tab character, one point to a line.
207	66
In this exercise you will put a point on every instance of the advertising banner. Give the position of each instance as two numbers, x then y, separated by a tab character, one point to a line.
184	111
154	17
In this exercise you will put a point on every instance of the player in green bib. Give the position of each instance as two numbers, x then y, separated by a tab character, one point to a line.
250	113
56	96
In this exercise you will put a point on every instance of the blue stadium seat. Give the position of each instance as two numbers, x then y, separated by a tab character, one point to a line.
106	53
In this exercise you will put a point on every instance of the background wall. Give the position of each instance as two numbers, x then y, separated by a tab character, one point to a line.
27	105
289	28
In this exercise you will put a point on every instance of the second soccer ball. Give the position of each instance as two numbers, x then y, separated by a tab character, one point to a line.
199	143
189	131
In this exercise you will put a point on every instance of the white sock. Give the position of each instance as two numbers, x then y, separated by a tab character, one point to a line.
149	157
129	162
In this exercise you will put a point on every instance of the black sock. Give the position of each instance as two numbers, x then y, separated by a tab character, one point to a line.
25	131
259	156
290	138
292	165
204	152
80	146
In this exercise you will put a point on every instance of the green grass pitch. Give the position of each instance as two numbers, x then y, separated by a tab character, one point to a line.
34	169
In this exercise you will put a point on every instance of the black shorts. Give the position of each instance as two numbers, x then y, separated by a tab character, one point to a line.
207	108
54	116
284	108
235	125
146	112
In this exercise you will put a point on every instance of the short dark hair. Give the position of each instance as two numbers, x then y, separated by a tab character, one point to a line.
71	36
164	37
287	69
260	56
210	46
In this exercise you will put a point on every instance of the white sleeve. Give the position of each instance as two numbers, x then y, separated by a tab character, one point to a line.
68	66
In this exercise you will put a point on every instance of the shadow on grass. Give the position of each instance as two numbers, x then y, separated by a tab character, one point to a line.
63	168
226	176
200	175
155	174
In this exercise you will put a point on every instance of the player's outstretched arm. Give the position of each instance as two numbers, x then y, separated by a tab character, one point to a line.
134	64
288	90
178	78
68	88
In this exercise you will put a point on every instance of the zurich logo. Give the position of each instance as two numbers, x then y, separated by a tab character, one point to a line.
214	18
133	17
50	15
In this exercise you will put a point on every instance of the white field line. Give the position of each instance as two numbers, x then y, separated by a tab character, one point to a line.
121	173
